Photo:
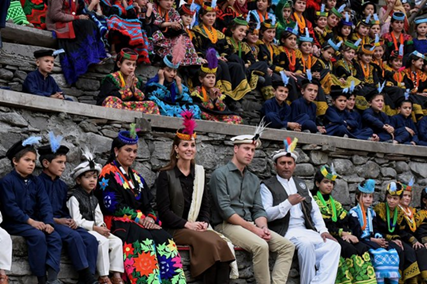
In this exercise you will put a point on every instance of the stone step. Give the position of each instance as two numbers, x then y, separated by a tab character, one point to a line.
28	35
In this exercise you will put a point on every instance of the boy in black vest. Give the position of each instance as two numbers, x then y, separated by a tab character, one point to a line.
292	213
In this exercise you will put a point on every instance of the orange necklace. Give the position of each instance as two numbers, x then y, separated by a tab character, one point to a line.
365	70
292	59
205	95
189	33
364	216
166	16
398	78
261	17
410	217
270	49
301	23
212	34
395	40
304	64
415	78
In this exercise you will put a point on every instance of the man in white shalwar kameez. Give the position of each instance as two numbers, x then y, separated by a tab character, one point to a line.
5	254
293	213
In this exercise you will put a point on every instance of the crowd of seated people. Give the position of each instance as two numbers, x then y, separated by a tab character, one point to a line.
364	70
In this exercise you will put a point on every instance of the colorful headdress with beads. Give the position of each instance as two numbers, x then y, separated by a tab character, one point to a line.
269	24
367	49
294	30
288	150
338	12
376	20
346	21
30	142
212	59
322	12
306	37
408	187
399	16
178	54
187	133
329	172
186	9
251	139
130	54
240	21
365	22
419	54
129	137
332	44
395	188
209	6
367	187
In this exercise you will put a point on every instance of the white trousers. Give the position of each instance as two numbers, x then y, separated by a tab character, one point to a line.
5	250
110	254
318	260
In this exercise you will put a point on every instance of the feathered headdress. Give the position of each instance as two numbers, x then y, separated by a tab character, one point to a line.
376	20
306	37
212	60
381	87
129	137
55	141
187	133
329	172
285	78
294	30
30	142
178	53
337	46
88	165
407	94
251	139
288	150
368	186
408	187
309	75
322	12
395	188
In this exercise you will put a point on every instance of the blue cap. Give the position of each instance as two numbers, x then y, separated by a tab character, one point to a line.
368	186
399	16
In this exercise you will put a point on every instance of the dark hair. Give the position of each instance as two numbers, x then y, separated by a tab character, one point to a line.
172	156
232	26
120	58
318	177
423	195
22	153
203	12
344	47
203	74
117	143
400	102
268	2
305	83
411	57
374	96
285	34
49	158
88	171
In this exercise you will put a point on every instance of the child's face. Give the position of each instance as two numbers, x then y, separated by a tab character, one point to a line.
363	30
340	103
396	63
290	42
252	38
241	2
407	7
262	5
299	6
325	186
406	198
56	167
208	81
186	20
26	164
269	35
369	10
328	53
166	4
392	201
345	31
127	67
351	101
310	92
366	199
330	4
231	2
418	64
170	74
209	18
45	64
405	109
88	180
397	26
374	30
306	47
422	29
377	103
142	3
332	20
239	33
287	13
378	52
322	22
349	54
366	58
281	93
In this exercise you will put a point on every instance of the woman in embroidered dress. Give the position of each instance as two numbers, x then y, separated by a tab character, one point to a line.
389	220
122	89
78	36
397	36
416	81
183	204
36	11
386	14
355	265
150	254
167	27
410	226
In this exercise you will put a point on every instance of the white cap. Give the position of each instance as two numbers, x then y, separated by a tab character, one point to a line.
282	152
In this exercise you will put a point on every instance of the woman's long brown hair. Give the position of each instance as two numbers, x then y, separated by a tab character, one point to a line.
172	157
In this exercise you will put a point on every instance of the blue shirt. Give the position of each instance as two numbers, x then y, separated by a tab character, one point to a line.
399	121
283	111
24	198
300	106
57	192
37	84
375	120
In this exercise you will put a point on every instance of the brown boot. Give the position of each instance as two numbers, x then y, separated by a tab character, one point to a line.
104	280
117	280
4	279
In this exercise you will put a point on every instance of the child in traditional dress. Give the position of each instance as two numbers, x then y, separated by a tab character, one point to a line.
354	121
389	220
81	246
362	31
397	36
208	97
122	89
252	38
261	13
321	23
40	82
299	7
169	27
166	88
344	67
375	28
363	224
335	117
344	29
405	130
395	74
276	111
333	19
5	254
268	50
86	213
420	42
421	232
28	213
283	15
355	261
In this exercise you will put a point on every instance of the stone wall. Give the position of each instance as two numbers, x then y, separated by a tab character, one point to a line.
353	160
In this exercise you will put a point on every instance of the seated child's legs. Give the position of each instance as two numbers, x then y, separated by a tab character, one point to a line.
309	125
384	136
274	120
401	135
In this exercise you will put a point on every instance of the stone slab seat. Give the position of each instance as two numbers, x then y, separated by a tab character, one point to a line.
185	248
28	35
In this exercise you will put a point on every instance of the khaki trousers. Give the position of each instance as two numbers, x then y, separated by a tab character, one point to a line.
260	250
